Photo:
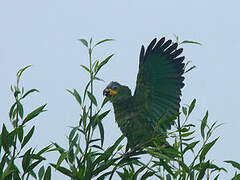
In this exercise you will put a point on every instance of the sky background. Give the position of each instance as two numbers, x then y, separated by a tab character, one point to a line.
44	34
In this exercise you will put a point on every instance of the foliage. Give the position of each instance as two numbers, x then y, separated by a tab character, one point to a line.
183	156
13	149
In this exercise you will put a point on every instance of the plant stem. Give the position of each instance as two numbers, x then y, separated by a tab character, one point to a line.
16	126
180	137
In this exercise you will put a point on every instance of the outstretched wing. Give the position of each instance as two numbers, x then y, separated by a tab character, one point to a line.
159	83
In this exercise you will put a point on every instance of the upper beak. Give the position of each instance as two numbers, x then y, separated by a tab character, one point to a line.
107	92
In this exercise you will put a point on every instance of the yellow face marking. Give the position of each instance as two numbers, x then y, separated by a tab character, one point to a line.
112	92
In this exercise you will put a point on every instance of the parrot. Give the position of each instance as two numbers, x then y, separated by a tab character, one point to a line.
156	99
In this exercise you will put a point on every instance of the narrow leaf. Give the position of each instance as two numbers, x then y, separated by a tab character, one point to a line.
77	96
63	170
184	110
234	164
190	146
192	106
101	130
84	42
105	40
206	148
86	68
203	170
26	160
20	109
92	98
41	173
61	158
191	68
28	137
30	91
11	110
20	133
105	61
190	42
34	113
203	124
47	175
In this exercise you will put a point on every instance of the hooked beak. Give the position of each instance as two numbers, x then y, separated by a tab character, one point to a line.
109	92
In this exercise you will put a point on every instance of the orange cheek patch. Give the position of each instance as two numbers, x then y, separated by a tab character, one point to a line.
113	92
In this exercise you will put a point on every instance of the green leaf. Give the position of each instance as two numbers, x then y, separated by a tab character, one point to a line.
191	106
147	174
91	40
191	68
96	65
92	98
176	36
184	110
206	148
26	160
203	170
103	177
74	142
187	139
72	133
33	165
203	124
84	42
77	96
47	175
34	113
4	138
20	109
168	177
108	152
63	170
28	137
104	101
19	73
98	79
105	40
101	130
187	134
234	164
86	68
135	175
216	178
30	91
20	133
190	42
61	158
103	115
4	160
236	177
11	110
105	61
190	146
41	173
85	90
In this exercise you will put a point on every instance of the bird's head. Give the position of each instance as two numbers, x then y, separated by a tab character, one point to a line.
116	92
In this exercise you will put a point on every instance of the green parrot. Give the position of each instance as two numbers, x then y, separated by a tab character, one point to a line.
156	99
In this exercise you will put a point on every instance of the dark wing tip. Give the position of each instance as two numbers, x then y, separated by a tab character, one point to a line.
169	50
175	53
159	44
162	48
141	57
150	46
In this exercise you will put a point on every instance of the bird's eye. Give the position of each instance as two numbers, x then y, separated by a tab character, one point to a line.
115	88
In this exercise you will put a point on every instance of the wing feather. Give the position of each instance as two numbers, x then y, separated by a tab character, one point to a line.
159	82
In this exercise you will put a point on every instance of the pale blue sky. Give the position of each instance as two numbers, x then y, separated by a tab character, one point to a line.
43	33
